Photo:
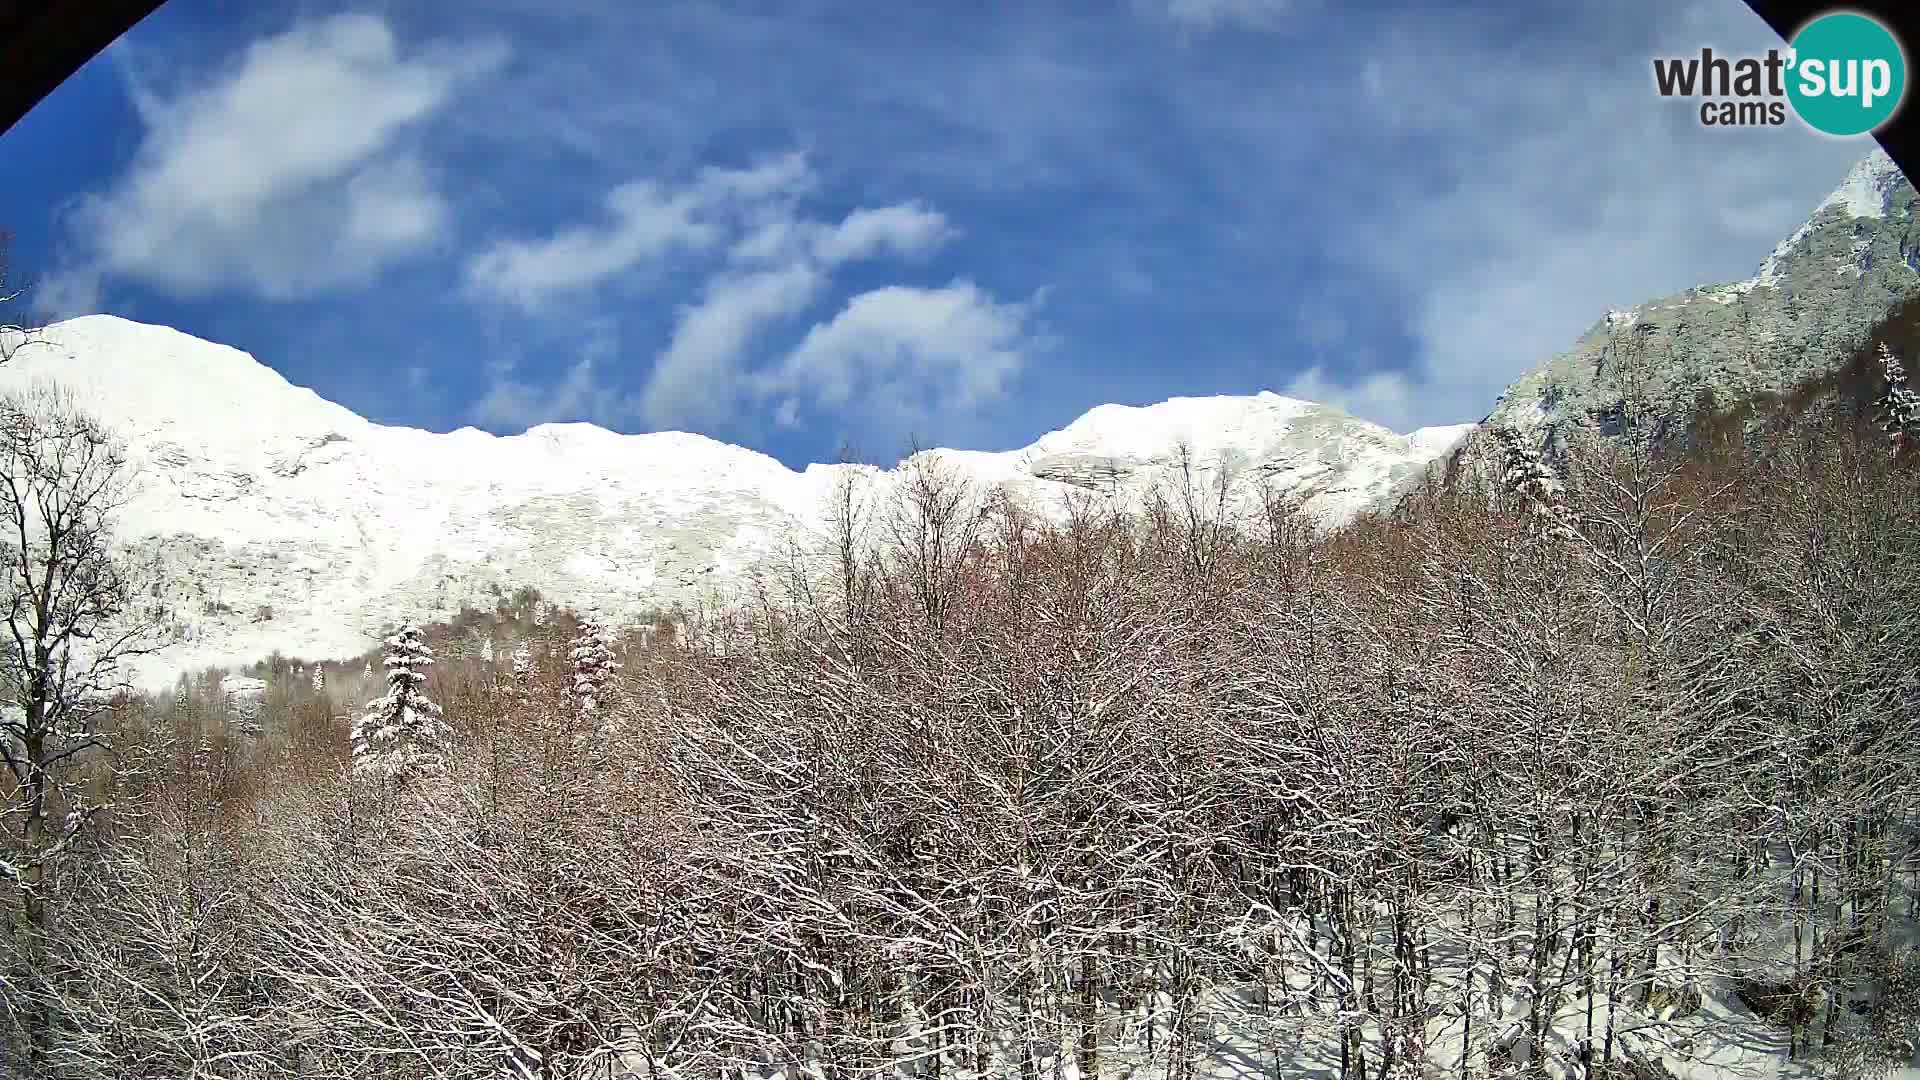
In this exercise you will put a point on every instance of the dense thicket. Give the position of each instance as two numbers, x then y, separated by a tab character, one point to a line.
1517	779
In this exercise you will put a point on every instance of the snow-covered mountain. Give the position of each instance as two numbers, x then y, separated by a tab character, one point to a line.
1811	303
284	521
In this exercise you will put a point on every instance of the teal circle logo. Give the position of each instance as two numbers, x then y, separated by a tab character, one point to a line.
1848	74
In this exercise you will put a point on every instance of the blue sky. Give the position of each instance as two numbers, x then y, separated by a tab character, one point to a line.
810	224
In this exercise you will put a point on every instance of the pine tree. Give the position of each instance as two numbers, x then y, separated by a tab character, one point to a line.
401	735
245	708
1526	475
1900	405
593	668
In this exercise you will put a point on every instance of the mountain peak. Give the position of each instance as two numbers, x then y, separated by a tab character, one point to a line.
154	377
1868	189
1201	422
1867	192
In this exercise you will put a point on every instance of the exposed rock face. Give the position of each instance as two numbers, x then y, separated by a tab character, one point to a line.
283	521
1810	305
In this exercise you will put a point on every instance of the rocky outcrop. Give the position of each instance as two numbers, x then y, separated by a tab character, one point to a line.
1810	305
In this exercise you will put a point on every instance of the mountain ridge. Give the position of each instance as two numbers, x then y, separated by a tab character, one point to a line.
284	521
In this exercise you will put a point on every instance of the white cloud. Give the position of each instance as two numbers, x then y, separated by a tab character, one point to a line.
392	209
909	355
1210	14
295	170
787	174
700	377
66	294
696	380
780	263
905	230
646	221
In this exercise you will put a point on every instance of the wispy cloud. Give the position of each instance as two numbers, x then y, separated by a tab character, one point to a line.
697	379
1217	14
513	402
645	220
1388	398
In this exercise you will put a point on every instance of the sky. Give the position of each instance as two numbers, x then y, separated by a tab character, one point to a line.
822	226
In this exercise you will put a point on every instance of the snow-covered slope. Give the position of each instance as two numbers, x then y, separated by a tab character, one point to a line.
284	521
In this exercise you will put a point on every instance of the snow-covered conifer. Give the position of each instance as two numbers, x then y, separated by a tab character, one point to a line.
1900	405
402	733
593	668
1524	473
319	679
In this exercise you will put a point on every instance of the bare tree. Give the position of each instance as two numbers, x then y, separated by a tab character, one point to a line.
847	513
1201	514
935	527
17	328
153	937
73	618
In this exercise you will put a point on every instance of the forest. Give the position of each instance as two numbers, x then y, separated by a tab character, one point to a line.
1596	763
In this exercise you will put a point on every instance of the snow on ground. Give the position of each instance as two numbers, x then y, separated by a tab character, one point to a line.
243	686
1439	440
1240	1039
286	522
1285	1032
